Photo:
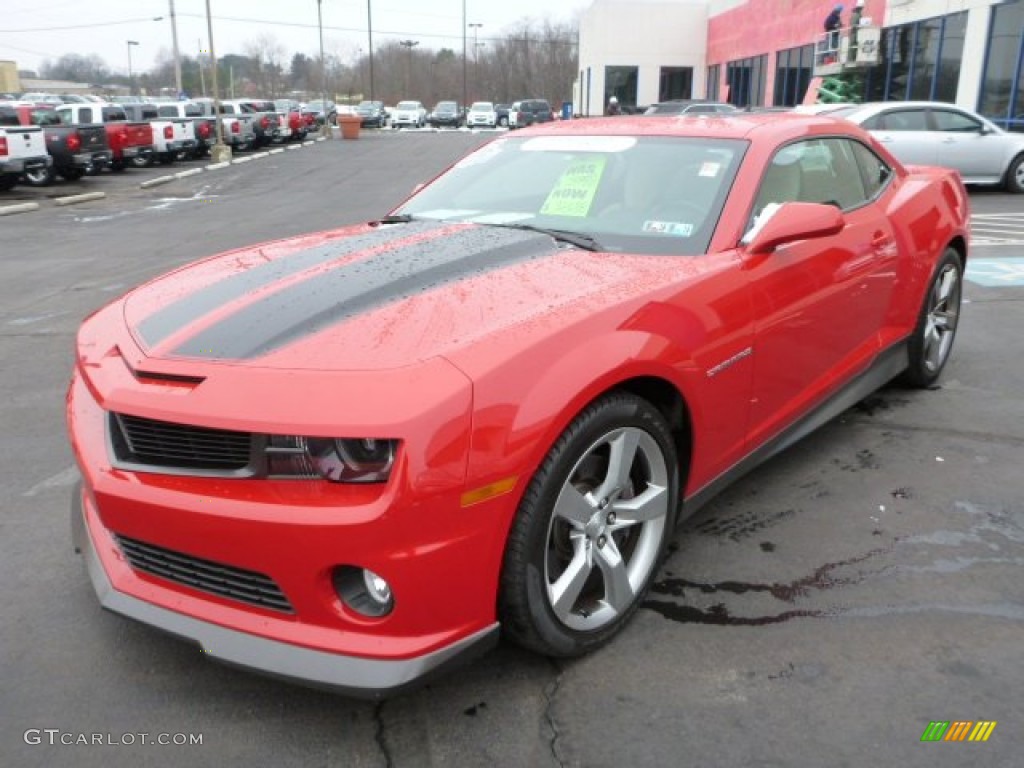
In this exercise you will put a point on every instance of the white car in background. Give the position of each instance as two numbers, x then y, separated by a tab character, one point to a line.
409	114
937	133
482	113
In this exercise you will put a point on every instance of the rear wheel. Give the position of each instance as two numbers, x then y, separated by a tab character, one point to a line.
73	174
1015	176
590	529
7	181
933	337
40	177
141	161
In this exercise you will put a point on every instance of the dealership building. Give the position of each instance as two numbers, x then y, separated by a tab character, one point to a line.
772	52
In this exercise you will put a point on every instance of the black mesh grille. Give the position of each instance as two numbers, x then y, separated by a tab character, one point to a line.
180	446
223	580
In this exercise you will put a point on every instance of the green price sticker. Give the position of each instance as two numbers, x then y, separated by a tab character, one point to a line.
575	190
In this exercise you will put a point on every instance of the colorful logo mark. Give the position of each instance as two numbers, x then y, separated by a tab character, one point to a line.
958	730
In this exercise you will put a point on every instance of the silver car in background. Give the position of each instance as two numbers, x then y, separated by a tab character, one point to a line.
936	133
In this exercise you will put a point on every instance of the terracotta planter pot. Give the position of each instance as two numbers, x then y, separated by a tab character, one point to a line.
349	126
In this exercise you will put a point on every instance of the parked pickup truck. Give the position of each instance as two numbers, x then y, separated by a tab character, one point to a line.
22	148
75	149
205	128
127	140
238	130
171	136
266	123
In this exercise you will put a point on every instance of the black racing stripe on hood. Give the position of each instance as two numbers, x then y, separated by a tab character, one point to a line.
172	318
312	305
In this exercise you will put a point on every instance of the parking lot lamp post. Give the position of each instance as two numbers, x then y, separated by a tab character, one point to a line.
325	131
408	45
131	79
369	32
219	152
475	26
177	53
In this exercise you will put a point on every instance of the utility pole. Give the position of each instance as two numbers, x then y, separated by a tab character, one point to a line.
326	131
177	54
465	89
219	152
202	75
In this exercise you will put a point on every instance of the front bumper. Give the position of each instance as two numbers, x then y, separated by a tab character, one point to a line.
349	675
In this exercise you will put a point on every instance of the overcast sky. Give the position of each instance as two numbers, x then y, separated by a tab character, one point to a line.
32	31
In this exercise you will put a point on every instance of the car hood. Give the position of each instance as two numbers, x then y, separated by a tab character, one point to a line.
374	298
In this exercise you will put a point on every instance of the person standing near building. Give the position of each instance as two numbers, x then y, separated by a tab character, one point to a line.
855	16
833	23
613	107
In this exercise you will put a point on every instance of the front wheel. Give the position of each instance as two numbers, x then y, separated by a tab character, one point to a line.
73	174
141	161
932	341
591	529
1015	176
503	122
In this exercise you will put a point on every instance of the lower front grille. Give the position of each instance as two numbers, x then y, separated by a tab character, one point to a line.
217	579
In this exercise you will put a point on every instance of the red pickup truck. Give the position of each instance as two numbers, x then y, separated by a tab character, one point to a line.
127	140
75	149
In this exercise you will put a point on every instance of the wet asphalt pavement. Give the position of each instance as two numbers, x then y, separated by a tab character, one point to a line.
821	612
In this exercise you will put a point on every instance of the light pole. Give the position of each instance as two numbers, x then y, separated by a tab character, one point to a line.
131	79
475	26
464	86
177	54
326	131
219	152
409	45
369	32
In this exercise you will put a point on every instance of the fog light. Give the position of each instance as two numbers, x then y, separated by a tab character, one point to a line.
363	591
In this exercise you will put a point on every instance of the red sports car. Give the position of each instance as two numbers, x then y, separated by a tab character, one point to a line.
352	458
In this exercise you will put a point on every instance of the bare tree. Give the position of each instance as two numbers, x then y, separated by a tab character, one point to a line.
268	57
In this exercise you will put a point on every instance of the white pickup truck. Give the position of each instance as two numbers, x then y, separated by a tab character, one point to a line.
22	148
238	130
172	136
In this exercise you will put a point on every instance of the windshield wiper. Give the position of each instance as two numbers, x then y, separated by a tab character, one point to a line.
395	218
580	240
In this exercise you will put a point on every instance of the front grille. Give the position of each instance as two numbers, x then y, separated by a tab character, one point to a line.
206	575
155	443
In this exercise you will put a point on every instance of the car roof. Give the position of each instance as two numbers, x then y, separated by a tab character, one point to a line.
777	126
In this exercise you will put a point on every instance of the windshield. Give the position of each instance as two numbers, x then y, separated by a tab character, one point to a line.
651	194
482	106
408	105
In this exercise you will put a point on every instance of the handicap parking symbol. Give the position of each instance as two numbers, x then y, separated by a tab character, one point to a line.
994	273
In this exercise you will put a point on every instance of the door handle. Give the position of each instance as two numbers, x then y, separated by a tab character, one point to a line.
880	240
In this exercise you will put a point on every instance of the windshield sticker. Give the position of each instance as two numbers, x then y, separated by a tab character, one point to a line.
710	169
575	189
604	144
674	228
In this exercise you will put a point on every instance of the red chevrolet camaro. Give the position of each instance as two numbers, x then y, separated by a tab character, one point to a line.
352	458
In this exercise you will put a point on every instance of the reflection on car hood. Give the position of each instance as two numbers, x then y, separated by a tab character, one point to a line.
371	298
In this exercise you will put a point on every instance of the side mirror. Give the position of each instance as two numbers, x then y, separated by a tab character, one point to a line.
790	222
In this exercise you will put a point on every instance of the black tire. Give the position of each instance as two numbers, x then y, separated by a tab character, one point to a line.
41	177
1015	176
503	122
932	341
141	161
73	174
7	181
575	566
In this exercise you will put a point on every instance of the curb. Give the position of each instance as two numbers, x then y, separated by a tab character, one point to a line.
259	155
8	210
217	166
309	143
156	182
276	151
240	160
189	172
83	198
295	146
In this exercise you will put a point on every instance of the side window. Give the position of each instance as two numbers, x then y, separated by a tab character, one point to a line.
955	122
781	181
65	114
85	115
874	172
905	120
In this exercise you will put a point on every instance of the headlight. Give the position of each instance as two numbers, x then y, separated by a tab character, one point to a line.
340	460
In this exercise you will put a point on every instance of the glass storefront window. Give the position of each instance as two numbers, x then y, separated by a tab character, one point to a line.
746	80
1002	90
620	82
714	75
793	69
675	83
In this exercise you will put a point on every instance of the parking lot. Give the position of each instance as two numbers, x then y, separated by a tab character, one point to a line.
821	612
